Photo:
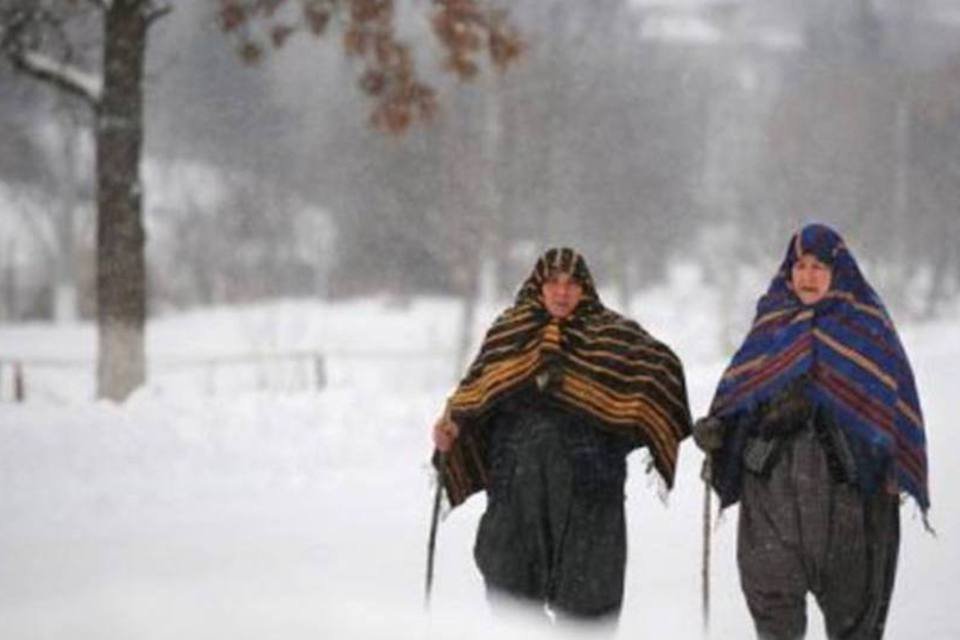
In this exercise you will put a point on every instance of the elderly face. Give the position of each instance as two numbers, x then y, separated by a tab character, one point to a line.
811	279
561	294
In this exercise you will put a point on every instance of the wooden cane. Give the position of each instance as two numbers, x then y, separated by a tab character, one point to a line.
435	518
705	569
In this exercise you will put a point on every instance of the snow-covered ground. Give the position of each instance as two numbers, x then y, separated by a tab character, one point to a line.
238	502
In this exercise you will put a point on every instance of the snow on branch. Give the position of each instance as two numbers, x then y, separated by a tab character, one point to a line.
64	76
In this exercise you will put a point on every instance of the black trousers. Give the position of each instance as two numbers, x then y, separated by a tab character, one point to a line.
554	530
800	531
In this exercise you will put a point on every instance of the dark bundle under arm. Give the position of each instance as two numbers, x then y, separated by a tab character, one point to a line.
787	412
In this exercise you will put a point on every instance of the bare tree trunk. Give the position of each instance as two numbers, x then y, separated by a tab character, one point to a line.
121	272
469	303
8	282
492	196
65	289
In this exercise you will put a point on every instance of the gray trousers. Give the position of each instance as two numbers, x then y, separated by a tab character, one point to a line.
554	530
802	531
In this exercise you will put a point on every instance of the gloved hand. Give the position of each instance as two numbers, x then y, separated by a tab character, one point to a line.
788	411
708	433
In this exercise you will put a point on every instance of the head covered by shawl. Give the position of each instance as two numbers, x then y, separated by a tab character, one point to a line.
598	363
847	346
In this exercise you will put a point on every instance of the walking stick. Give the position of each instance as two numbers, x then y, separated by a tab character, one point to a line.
432	541
705	569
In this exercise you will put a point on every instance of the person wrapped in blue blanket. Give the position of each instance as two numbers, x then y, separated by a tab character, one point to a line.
816	430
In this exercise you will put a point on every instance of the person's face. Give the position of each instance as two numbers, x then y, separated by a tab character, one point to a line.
561	294
811	279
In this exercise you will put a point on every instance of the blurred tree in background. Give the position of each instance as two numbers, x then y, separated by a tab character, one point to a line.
95	50
645	132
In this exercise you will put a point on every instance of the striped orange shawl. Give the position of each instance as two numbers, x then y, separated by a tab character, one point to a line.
595	362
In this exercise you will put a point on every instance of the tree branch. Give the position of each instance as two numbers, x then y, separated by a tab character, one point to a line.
71	79
157	12
103	5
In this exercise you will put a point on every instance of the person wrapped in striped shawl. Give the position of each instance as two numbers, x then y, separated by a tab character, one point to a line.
816	428
560	392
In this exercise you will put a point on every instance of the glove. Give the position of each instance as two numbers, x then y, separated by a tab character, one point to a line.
708	433
788	411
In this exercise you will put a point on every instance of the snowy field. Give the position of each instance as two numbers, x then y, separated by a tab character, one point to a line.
239	502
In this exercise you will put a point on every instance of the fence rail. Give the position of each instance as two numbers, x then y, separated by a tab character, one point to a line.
17	387
308	368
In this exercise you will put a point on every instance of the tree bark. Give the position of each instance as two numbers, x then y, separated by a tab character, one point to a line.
8	282
64	251
121	271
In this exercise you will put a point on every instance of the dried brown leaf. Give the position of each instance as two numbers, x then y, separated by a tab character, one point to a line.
267	7
373	82
232	14
250	52
280	33
317	17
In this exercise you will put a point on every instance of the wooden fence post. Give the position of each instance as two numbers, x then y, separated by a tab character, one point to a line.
19	390
319	371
